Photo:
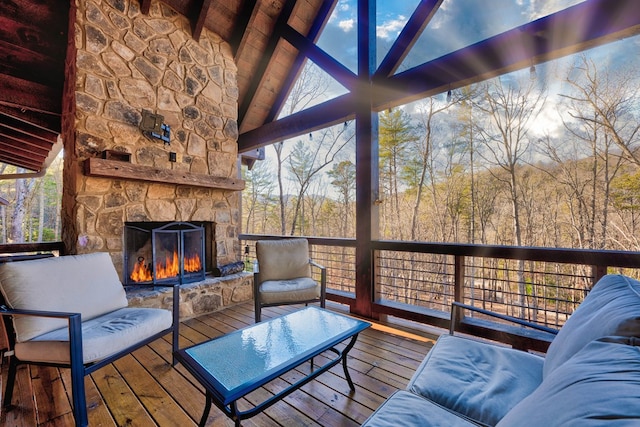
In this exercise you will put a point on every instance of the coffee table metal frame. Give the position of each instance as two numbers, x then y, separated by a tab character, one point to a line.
226	399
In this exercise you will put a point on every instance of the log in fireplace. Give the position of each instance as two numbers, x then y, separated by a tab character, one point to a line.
157	253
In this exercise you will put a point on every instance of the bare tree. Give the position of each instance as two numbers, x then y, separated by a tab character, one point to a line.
510	108
311	85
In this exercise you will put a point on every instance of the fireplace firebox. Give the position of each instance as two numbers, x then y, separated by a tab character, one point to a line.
157	253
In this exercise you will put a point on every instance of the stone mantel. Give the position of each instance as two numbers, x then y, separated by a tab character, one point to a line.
124	170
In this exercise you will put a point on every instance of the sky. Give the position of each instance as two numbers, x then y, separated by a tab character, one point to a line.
457	24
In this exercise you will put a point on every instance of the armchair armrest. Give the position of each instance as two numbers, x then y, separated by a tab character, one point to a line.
75	328
457	307
323	279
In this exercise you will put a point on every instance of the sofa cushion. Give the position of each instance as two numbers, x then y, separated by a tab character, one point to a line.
283	259
478	379
599	385
292	290
612	307
86	284
102	336
406	409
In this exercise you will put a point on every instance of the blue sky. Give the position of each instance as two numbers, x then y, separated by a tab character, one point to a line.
457	24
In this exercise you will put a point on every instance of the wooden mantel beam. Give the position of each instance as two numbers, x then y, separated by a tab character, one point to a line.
124	170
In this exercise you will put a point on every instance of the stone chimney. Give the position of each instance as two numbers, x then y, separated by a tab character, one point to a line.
121	63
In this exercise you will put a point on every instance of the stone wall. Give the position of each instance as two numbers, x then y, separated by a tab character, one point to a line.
124	62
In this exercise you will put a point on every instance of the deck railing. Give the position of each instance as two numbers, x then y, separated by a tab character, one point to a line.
419	281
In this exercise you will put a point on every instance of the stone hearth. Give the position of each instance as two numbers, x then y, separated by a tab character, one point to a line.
198	298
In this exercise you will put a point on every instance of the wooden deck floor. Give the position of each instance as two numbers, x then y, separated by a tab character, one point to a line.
142	389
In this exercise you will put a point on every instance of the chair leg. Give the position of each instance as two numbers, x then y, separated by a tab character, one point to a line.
78	396
11	380
257	309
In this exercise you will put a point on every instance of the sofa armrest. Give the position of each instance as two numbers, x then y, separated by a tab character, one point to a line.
456	318
75	329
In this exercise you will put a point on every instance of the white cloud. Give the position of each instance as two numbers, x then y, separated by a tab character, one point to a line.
390	29
346	25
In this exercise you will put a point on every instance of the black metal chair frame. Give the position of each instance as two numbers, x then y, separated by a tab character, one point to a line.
78	369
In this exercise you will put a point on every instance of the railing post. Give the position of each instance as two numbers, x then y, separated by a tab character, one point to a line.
458	289
597	272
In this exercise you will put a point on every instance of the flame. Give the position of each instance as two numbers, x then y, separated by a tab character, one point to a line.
169	268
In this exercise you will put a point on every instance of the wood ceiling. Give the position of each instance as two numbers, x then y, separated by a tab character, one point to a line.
271	39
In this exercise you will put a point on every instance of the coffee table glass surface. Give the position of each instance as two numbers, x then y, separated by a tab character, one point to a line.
241	361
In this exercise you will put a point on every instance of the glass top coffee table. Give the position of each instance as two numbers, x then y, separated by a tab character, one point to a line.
233	365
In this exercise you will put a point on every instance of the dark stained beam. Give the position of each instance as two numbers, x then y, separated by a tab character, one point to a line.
317	117
20	137
200	18
407	37
145	6
322	59
21	162
572	30
241	24
314	33
259	73
16	147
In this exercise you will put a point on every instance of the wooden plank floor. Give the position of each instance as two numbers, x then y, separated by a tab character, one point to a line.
142	389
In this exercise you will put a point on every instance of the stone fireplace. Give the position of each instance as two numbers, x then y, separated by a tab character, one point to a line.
124	63
120	64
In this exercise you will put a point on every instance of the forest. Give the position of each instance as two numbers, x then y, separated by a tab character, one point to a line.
550	160
546	157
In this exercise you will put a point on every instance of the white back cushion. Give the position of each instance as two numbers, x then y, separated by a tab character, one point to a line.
86	284
283	259
612	307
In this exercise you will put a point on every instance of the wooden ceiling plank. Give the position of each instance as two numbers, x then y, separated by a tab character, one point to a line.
407	37
27	129
28	65
49	122
21	151
265	57
30	95
20	162
547	38
14	146
23	138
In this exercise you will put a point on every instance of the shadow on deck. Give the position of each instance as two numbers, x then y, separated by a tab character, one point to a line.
143	389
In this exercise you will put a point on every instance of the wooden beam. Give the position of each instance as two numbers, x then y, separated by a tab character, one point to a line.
322	59
51	122
145	6
317	117
200	18
407	37
241	24
123	170
571	30
19	93
294	71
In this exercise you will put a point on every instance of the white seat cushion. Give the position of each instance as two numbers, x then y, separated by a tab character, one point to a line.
406	409
101	336
293	290
478	379
86	284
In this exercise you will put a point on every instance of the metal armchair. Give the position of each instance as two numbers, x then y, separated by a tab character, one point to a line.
283	275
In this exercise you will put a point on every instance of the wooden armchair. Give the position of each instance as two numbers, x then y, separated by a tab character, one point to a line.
71	311
284	276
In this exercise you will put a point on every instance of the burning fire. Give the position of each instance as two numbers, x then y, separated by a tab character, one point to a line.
169	268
